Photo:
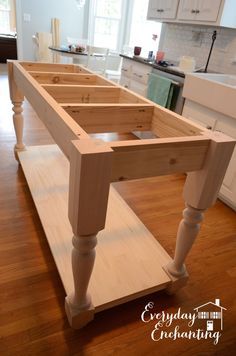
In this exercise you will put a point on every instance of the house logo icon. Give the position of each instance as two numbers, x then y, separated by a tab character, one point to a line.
212	313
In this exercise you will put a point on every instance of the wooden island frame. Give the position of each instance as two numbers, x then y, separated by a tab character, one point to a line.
70	182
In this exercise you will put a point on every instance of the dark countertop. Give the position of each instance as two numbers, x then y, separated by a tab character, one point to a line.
142	60
65	49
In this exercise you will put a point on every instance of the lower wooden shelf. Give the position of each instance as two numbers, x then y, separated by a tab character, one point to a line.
129	260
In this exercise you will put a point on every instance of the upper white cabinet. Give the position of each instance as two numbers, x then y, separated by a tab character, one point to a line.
199	10
162	9
202	12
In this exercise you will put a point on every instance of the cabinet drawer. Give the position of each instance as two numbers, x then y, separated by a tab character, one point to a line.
140	73
228	126
138	88
124	81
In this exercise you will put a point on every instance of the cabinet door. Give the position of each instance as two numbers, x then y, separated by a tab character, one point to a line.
228	188
162	9
169	9
199	114
187	9
140	72
154	9
199	10
124	81
126	67
207	10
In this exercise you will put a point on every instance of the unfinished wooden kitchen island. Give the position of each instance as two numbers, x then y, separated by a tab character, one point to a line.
70	182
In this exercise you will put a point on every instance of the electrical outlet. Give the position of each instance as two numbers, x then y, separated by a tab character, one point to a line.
27	17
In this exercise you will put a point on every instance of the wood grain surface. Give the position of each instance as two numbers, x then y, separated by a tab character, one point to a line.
32	316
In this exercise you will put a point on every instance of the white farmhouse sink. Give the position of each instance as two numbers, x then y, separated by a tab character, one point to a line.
214	91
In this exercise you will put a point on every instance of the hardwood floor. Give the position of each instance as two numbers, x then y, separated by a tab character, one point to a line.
32	316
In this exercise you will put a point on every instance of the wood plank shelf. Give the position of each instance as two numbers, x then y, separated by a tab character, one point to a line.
129	260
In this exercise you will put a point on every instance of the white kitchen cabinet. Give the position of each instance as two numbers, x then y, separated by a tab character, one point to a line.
202	12
134	76
124	81
162	9
138	88
199	10
218	122
228	188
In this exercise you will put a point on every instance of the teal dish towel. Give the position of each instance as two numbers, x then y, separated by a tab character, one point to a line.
160	90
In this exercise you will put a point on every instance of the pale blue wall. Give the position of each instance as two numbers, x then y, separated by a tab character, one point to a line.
41	11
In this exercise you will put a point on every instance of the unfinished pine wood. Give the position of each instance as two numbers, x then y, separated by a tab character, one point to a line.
15	94
122	275
68	78
83	94
90	171
86	219
18	122
32	300
170	124
152	157
96	118
127	96
187	232
60	125
202	187
17	99
48	67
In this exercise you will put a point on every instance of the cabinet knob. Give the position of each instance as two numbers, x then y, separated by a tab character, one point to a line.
138	75
193	11
158	10
209	127
197	11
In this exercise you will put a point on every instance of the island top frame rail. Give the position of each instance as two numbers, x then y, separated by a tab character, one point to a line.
70	182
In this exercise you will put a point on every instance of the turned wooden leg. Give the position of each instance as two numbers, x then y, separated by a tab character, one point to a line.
17	99
79	308
90	165
186	235
18	125
200	192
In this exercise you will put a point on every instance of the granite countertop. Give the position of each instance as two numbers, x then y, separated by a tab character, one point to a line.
155	65
65	49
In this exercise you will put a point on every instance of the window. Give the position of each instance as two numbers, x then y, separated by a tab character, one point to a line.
203	315
7	16
143	33
116	24
106	23
215	315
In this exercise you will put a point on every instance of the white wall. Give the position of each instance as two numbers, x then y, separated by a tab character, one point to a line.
41	12
181	39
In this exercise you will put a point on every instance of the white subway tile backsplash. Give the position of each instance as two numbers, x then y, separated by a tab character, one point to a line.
181	39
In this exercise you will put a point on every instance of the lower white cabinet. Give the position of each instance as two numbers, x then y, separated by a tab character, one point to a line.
217	122
134	76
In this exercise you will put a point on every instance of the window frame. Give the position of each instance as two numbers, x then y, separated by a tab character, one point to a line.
122	23
12	16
